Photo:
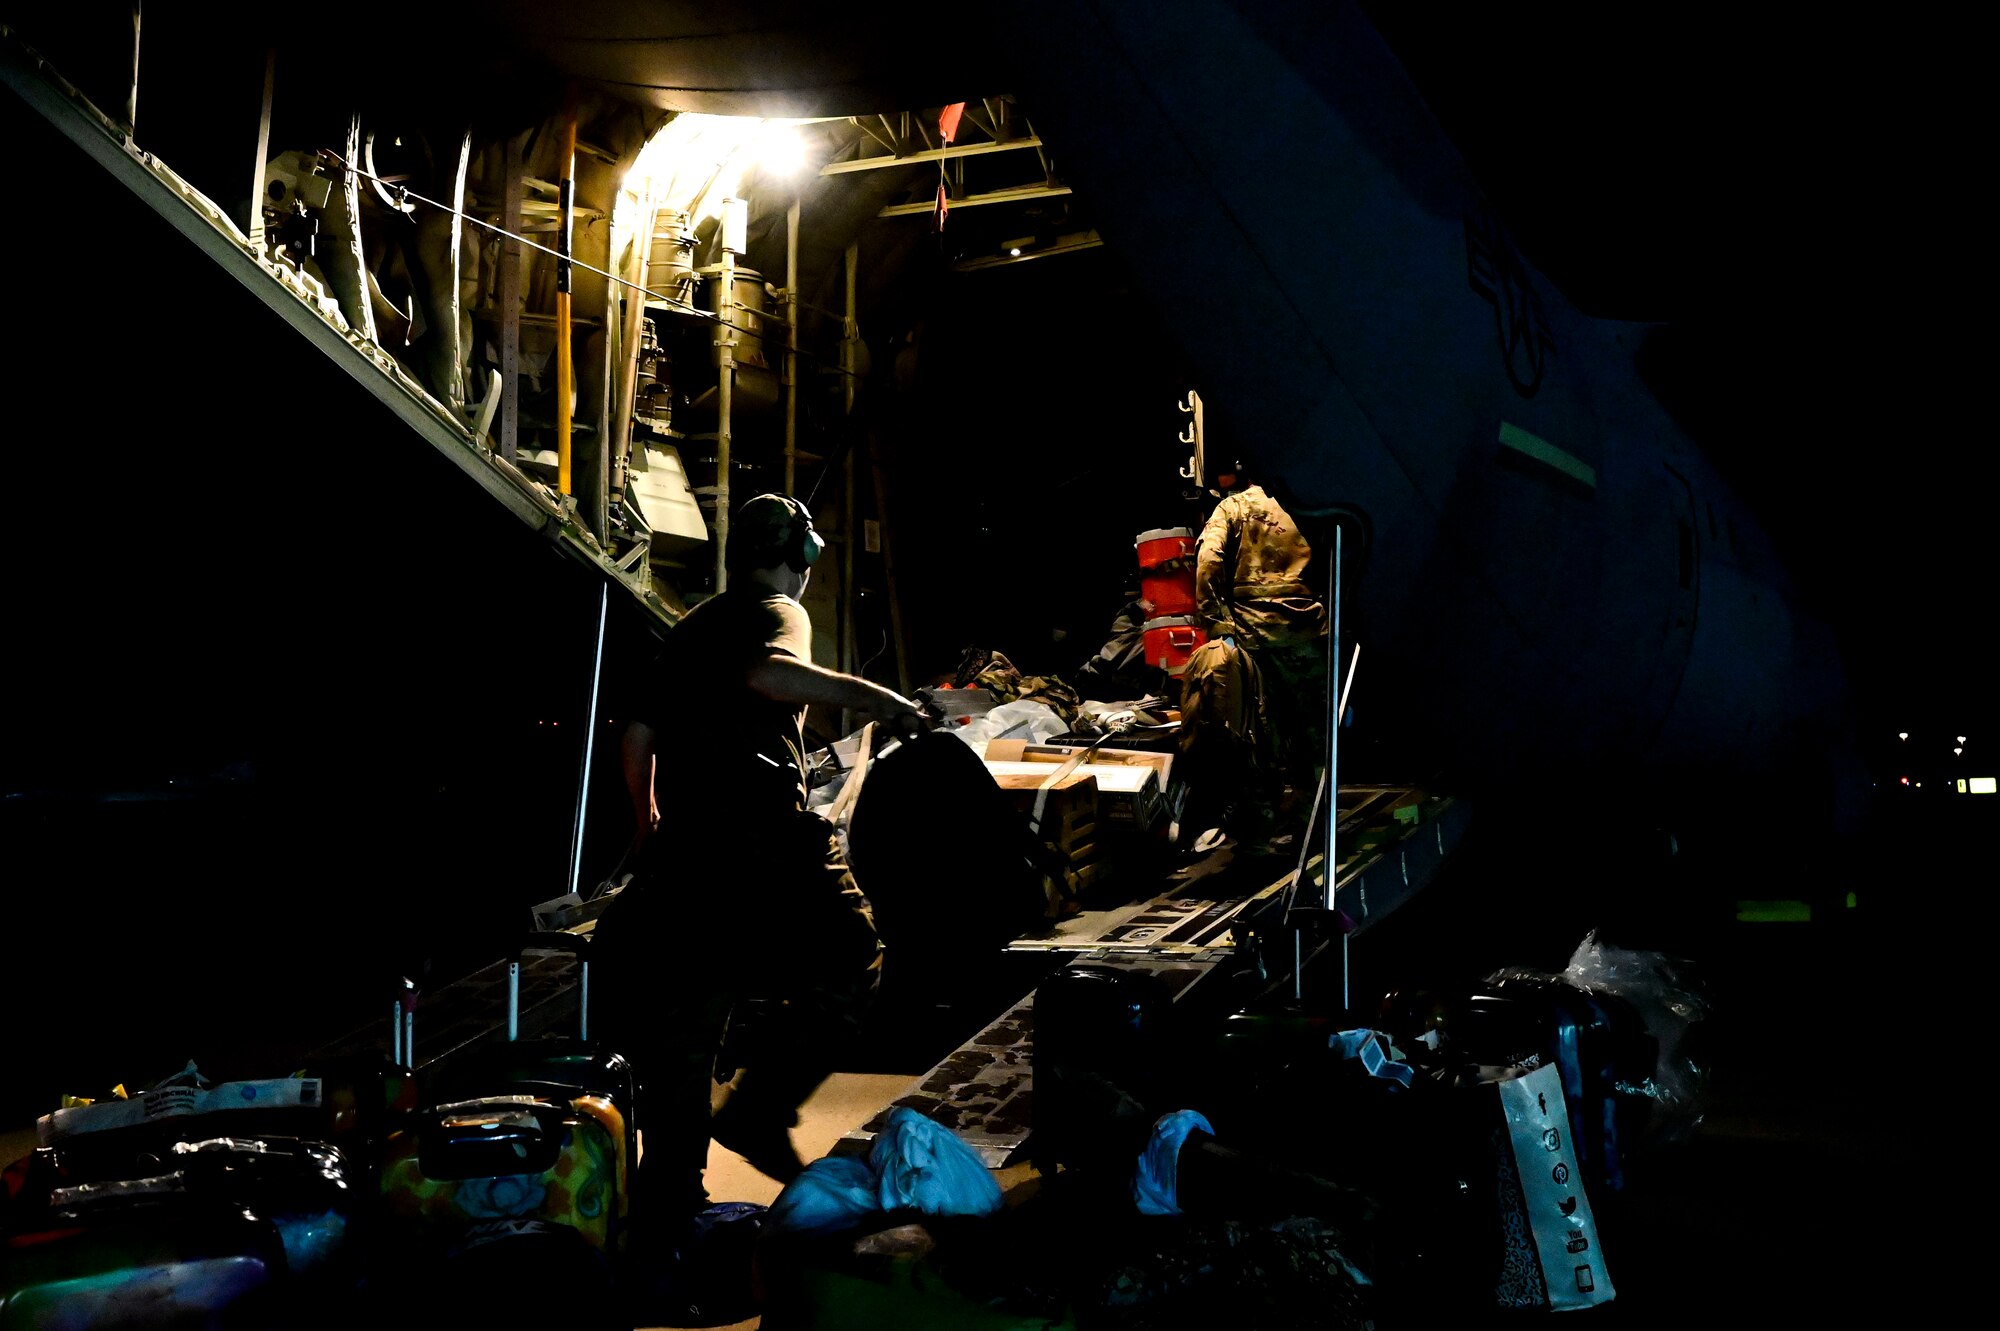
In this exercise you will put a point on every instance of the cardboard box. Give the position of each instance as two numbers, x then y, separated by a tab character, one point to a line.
1127	795
1020	751
1070	814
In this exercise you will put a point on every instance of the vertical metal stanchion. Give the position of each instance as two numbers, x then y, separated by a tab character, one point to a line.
725	350
849	654
791	383
256	218
1333	726
514	999
589	745
132	91
1330	783
1333	759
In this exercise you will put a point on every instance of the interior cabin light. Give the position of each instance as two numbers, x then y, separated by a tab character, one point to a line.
780	149
1983	785
697	160
1902	734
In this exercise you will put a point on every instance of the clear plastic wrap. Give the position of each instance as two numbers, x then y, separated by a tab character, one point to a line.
1671	997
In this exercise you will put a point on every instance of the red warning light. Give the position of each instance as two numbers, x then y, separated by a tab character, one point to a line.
1906	781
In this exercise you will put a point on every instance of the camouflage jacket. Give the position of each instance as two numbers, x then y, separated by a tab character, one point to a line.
981	668
1249	574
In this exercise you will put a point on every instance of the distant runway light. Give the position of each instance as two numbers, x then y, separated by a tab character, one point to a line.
1957	752
1961	739
1902	734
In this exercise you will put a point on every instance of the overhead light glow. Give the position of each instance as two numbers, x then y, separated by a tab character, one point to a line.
1015	251
780	149
1961	739
1956	752
1983	785
1902	734
696	161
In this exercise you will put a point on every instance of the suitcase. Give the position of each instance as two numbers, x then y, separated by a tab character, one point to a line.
538	1138
252	1147
310	1193
145	1257
239	1232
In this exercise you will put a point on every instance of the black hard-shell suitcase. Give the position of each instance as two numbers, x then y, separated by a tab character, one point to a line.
311	1193
223	1232
146	1260
262	1155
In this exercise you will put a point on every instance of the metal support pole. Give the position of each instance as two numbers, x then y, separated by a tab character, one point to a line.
791	346
850	333
889	565
725	344
132	93
514	999
510	303
1333	732
256	218
1333	759
589	744
565	354
631	334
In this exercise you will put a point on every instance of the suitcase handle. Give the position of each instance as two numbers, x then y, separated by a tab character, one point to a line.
485	1138
403	1025
578	946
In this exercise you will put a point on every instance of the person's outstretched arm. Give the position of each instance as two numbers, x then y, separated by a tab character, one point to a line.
784	678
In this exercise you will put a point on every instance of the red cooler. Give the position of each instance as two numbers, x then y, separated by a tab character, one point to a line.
1171	640
1166	572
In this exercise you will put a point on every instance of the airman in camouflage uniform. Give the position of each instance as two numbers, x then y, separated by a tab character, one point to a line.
1250	567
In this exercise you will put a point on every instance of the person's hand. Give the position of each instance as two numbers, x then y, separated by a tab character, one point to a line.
895	713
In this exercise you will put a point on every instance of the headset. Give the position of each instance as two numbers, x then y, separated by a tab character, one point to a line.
802	543
774	529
